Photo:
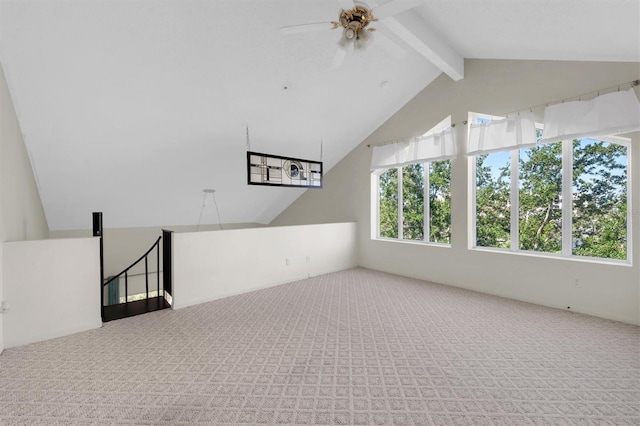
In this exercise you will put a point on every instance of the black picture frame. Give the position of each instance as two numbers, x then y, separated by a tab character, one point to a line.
275	170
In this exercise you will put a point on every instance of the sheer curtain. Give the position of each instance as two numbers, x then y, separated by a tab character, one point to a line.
502	135
610	114
437	146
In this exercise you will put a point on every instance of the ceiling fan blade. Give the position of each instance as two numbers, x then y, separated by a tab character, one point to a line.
363	42
305	28
390	46
344	43
394	7
338	58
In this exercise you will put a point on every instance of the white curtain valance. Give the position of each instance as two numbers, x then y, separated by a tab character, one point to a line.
502	135
610	114
435	147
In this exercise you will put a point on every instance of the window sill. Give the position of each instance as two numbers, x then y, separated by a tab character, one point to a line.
610	262
413	242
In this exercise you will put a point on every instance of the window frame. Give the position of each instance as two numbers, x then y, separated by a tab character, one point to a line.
375	208
375	198
567	208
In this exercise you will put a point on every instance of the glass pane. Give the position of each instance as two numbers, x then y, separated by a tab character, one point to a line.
440	202
493	207
599	199
540	188
388	187
413	202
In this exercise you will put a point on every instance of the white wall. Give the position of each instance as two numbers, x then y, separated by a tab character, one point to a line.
123	246
1	296
21	213
52	287
212	265
493	87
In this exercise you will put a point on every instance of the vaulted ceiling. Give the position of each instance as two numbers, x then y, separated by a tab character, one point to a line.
133	108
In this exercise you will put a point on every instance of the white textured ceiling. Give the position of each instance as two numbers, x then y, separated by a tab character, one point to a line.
132	108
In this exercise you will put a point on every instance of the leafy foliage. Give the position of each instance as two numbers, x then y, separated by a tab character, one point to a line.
540	215
599	200
493	209
413	202
440	201
388	193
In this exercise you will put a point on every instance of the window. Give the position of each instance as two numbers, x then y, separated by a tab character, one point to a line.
568	198
408	217
440	202
540	198
388	201
413	202
599	199
493	207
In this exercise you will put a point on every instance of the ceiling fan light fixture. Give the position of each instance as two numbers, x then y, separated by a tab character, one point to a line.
350	33
354	23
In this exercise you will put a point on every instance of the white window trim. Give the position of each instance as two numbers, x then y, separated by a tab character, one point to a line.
567	188
472	184
514	196
375	198
400	204
375	204
375	209
567	198
426	208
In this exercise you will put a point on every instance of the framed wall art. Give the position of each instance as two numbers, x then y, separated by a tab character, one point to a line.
274	170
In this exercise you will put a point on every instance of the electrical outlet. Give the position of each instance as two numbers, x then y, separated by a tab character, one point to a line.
4	307
287	262
576	283
308	259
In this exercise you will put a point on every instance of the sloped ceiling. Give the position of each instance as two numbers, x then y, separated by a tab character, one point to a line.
133	108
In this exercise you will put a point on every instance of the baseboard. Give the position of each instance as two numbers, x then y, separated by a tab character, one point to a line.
53	334
260	287
578	310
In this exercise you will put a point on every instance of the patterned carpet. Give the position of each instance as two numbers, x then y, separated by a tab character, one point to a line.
357	347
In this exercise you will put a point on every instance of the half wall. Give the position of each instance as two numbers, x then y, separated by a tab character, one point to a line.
217	264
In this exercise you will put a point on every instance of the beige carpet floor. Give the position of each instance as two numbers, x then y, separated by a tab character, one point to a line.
356	347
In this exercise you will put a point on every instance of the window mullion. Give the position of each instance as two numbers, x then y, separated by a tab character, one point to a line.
426	201
567	197
515	201
472	233
377	210
400	204
629	205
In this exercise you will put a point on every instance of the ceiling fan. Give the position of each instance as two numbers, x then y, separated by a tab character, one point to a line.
354	20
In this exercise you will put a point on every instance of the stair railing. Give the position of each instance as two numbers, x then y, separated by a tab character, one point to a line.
125	272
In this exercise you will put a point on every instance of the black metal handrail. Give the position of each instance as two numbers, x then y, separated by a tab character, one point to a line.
146	271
